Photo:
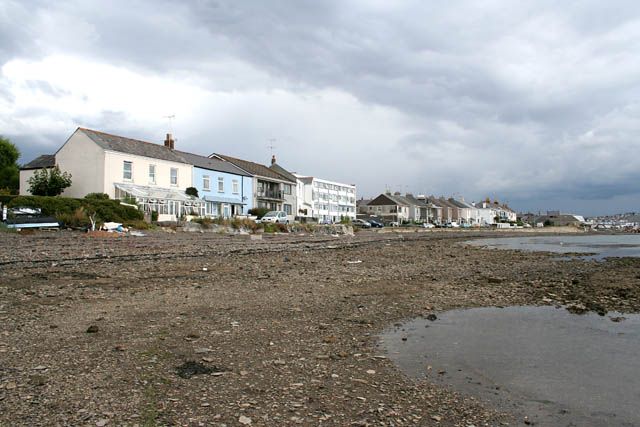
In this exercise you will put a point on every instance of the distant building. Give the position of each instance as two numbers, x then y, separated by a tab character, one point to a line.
389	207
324	201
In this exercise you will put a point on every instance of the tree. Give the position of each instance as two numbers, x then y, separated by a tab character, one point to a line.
191	191
9	169
49	182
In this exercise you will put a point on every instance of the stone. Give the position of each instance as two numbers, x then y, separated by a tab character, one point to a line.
37	380
244	420
92	329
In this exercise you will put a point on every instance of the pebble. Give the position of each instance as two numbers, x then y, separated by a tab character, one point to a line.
244	420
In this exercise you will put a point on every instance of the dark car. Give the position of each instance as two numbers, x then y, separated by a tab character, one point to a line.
375	224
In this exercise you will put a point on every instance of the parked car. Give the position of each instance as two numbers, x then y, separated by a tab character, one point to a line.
276	216
374	224
428	225
394	224
361	223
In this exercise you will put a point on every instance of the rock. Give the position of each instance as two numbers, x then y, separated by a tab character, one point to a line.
120	347
432	317
495	280
92	329
37	380
329	340
244	420
102	423
371	372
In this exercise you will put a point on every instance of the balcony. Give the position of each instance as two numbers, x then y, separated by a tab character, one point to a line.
263	193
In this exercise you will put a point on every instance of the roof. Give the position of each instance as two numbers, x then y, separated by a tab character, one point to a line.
282	171
457	203
132	146
254	168
387	199
44	161
212	163
147	192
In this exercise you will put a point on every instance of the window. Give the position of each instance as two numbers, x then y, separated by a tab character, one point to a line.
152	174
206	182
287	189
174	176
127	171
235	186
287	209
221	185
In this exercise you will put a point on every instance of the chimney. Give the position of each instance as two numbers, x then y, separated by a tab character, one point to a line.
273	159
169	142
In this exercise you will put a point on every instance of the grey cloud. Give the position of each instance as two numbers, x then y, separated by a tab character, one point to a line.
511	85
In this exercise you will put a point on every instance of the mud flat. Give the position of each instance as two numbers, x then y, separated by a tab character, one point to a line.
190	328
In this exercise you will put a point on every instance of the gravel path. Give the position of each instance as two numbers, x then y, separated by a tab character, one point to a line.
207	329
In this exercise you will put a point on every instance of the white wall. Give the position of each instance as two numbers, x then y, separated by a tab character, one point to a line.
113	172
24	178
84	160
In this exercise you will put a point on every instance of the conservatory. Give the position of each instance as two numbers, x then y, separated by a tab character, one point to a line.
169	203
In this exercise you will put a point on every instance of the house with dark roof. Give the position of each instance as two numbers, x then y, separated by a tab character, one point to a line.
272	187
226	189
389	207
46	161
154	175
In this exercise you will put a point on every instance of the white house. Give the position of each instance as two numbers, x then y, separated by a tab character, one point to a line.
124	168
324	201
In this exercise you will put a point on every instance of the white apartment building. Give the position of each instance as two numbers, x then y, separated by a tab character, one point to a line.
324	201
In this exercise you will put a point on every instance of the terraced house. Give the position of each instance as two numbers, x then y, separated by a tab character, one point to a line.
271	187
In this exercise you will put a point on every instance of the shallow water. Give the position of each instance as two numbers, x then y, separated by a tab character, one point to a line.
558	368
598	246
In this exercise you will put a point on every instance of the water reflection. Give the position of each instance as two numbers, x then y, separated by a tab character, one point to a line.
558	368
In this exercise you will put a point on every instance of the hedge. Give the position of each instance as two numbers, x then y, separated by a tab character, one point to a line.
106	210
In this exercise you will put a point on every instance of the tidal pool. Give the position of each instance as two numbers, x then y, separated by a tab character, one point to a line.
556	368
593	246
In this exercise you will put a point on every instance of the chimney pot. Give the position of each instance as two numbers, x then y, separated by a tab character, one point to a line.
273	159
169	142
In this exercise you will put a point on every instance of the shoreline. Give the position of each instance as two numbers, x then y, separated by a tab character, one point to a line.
285	326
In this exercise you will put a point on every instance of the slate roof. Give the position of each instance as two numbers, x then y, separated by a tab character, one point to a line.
132	146
282	171
212	163
254	168
44	161
386	200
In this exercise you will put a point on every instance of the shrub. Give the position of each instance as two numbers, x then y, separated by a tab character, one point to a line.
154	215
49	182
65	208
191	191
99	196
272	227
259	212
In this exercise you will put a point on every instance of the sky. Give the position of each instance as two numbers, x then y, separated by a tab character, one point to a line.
536	104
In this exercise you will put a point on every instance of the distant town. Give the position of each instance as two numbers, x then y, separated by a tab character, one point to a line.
170	184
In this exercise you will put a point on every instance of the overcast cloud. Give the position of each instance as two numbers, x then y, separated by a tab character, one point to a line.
535	103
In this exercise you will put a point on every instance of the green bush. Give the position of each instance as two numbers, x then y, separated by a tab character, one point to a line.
272	227
65	208
100	196
259	212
